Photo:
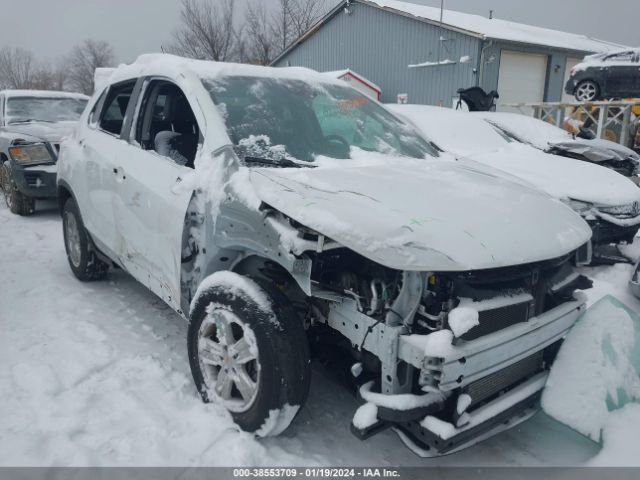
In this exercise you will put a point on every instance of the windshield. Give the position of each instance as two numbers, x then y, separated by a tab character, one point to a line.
278	119
528	130
43	109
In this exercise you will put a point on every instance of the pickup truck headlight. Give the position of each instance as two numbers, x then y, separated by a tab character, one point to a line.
33	154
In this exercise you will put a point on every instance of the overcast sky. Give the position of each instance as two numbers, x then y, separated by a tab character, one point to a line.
51	27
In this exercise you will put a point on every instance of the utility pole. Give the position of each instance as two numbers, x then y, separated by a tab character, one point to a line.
440	32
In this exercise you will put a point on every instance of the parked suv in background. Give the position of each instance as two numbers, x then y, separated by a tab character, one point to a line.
32	124
606	75
275	207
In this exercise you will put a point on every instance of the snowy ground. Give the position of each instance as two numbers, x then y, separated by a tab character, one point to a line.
97	374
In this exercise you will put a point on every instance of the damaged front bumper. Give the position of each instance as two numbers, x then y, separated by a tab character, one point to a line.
613	227
506	370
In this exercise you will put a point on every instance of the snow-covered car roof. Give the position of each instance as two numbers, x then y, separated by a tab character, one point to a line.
42	94
454	131
600	59
500	29
173	66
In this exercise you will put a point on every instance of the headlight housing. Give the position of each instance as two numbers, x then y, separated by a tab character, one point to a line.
32	154
578	206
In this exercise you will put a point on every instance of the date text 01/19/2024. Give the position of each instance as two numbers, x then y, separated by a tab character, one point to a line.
315	472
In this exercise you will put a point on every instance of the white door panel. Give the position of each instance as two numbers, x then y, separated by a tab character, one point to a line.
99	152
521	79
151	212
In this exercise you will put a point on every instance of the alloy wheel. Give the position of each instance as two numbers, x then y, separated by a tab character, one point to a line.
228	356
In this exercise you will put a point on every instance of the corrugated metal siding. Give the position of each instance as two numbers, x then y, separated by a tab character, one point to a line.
380	45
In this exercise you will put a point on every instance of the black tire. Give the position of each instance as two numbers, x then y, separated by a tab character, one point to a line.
17	202
84	262
587	91
283	353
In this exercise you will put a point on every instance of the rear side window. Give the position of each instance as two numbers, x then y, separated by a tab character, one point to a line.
115	107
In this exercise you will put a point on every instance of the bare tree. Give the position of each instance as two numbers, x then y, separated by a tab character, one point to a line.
304	14
293	18
83	61
261	41
16	68
207	31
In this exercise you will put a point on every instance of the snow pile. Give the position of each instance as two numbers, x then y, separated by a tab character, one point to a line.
439	427
593	372
277	421
365	416
463	319
439	344
463	403
620	439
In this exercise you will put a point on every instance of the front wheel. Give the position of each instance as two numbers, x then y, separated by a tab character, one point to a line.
17	202
248	352
587	91
84	262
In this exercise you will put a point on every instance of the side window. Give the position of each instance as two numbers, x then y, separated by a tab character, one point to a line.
620	57
115	107
166	123
92	120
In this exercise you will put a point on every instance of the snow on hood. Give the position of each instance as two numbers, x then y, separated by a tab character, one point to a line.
424	215
561	177
468	135
51	132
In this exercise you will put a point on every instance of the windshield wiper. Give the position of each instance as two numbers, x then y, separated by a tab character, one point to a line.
282	163
29	120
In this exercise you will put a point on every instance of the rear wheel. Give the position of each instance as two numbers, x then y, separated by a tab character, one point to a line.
17	202
248	352
587	91
84	262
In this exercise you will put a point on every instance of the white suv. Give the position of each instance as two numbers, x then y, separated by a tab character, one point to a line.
277	209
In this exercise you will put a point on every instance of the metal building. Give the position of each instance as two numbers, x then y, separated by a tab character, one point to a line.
411	52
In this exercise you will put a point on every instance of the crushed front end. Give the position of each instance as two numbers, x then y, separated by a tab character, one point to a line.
442	391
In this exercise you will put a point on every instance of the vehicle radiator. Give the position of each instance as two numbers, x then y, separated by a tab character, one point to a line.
487	387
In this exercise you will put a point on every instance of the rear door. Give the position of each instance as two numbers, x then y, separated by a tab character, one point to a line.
151	203
101	146
621	73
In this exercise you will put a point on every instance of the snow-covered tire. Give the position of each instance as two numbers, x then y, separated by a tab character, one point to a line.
84	262
17	202
276	362
587	91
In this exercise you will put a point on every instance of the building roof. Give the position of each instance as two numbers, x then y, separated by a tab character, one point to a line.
348	71
497	29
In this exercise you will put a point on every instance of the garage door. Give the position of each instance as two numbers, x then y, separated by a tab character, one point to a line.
571	62
521	78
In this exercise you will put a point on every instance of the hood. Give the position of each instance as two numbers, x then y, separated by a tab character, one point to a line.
37	131
425	215
597	150
563	177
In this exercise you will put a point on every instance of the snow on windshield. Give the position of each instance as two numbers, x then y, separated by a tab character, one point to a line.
25	109
527	129
278	118
453	131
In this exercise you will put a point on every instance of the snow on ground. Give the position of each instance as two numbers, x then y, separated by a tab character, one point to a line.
97	374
